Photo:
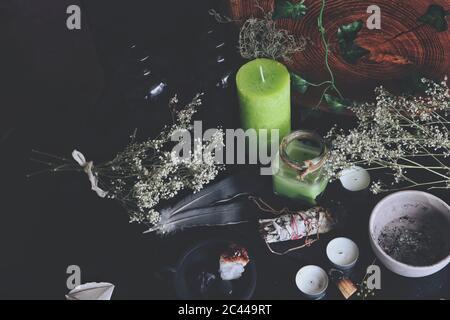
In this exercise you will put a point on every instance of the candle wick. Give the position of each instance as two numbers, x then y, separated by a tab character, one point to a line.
262	73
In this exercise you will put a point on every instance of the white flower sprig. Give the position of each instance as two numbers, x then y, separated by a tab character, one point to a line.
148	172
407	134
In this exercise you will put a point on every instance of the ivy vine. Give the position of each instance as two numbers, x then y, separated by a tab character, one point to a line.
331	94
436	17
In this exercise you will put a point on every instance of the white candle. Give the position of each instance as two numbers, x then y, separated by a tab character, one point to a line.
312	281
343	253
355	178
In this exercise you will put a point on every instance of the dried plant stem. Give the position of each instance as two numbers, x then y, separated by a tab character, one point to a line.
146	173
404	134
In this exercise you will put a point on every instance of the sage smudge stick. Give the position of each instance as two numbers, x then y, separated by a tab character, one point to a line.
289	225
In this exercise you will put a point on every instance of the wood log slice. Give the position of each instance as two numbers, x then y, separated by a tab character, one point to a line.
402	47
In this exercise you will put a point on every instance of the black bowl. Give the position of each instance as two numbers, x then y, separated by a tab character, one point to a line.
198	277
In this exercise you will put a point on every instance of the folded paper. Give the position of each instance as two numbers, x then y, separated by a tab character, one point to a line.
92	291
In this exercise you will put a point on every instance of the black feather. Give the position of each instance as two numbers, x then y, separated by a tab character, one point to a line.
223	203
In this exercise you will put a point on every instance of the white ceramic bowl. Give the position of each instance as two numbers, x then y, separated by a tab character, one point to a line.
413	204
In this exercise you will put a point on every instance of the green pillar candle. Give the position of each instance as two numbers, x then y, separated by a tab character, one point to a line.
265	96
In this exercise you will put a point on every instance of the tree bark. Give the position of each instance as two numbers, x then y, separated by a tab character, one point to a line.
402	47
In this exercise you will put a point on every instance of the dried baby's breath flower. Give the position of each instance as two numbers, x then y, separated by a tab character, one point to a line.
407	134
148	172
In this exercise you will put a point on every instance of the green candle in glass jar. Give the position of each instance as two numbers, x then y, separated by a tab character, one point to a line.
264	92
298	167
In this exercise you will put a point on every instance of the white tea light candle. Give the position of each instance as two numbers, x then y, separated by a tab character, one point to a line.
343	253
355	178
312	281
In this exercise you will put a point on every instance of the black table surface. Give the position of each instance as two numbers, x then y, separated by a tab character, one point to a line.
85	90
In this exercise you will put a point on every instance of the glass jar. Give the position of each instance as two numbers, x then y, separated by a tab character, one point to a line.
298	167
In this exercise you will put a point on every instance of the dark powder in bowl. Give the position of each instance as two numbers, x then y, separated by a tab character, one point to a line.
415	242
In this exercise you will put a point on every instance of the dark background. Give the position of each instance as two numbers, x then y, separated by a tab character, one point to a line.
86	89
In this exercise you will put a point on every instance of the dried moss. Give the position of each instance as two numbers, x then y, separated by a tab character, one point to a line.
261	38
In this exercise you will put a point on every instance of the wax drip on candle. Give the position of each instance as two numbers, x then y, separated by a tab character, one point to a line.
262	73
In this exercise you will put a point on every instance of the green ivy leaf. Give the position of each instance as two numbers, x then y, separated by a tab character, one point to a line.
435	17
300	84
346	35
350	31
336	103
353	53
287	9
